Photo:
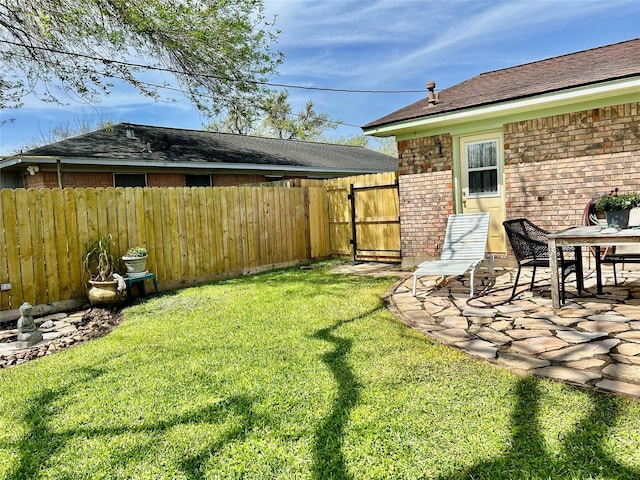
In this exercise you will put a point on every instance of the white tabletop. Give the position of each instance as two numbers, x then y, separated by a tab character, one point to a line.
596	235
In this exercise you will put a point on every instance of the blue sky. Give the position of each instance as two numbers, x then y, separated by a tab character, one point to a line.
374	45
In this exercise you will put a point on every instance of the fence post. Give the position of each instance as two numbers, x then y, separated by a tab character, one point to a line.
353	222
307	222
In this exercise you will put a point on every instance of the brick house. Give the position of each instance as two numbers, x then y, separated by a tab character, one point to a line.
537	140
128	155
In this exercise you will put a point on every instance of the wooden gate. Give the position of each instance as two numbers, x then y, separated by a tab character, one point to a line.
375	223
364	222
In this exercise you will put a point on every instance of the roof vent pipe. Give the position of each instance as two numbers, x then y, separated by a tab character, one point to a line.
129	132
433	99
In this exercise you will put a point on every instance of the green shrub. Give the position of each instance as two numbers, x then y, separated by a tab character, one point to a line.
136	252
618	201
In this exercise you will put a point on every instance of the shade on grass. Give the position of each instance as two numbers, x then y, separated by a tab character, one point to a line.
296	374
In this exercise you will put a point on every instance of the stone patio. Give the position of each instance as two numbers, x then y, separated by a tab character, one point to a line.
592	341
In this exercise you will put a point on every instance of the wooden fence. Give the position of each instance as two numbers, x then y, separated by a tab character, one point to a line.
364	221
192	235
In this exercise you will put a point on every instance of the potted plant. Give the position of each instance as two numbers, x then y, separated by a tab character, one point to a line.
101	265
135	261
617	207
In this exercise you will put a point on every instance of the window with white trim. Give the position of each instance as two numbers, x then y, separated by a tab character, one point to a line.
482	167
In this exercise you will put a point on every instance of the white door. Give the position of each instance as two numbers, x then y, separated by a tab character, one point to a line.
482	182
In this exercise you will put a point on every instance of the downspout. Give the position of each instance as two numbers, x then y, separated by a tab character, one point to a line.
458	206
59	169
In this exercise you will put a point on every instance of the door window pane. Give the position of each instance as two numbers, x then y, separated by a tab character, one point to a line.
483	154
482	167
485	181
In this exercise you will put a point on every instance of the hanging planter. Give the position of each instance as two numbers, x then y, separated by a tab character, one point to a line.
135	261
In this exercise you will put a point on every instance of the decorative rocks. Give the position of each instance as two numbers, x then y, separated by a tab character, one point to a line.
87	325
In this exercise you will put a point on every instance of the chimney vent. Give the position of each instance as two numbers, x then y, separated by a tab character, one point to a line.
129	132
433	99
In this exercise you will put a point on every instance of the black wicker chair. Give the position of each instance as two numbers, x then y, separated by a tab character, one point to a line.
529	245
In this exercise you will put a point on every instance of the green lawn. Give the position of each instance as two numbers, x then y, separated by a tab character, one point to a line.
296	374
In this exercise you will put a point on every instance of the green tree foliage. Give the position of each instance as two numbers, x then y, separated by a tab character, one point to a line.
218	50
281	122
273	117
386	145
354	141
241	118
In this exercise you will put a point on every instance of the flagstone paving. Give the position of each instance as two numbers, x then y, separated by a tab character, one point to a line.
592	341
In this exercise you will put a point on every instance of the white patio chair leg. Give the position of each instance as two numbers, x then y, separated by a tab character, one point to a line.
492	269
415	280
473	270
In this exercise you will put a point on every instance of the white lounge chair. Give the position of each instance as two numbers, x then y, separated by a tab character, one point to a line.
465	244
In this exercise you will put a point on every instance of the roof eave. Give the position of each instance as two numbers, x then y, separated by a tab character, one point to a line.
512	107
27	160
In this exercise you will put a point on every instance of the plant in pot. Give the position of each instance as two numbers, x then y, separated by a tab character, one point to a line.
135	261
101	265
617	206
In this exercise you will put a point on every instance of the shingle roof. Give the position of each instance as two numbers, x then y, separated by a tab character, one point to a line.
611	62
162	144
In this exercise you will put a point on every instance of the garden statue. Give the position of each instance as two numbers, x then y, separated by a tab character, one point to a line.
28	334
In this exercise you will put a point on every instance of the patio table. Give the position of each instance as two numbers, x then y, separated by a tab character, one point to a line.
593	236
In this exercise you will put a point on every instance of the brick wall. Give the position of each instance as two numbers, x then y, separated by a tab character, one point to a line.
579	134
86	179
166	180
554	193
553	167
420	155
41	180
105	179
426	200
232	180
69	180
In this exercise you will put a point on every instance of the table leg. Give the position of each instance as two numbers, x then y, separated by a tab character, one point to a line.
579	271
553	266
598	271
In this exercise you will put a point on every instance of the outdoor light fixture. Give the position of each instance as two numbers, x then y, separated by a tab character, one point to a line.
438	147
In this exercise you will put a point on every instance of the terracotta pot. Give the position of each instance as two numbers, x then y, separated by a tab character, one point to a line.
103	293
